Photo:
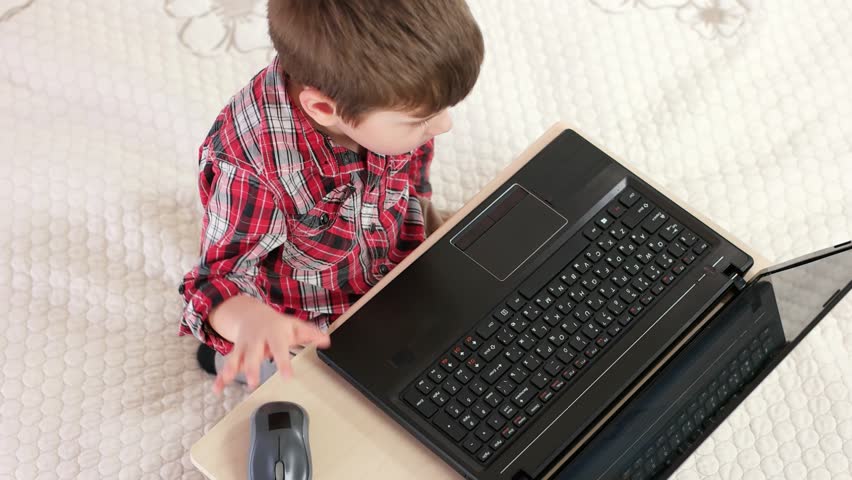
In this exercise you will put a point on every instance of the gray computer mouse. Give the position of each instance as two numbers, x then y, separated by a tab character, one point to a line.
279	443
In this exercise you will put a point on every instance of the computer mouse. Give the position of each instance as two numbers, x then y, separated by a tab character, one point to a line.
279	443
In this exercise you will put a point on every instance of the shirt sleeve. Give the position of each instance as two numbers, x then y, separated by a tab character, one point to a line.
242	224
418	171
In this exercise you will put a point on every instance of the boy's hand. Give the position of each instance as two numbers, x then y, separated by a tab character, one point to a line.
258	333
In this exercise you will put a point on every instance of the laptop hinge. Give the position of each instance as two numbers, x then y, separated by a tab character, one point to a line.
739	282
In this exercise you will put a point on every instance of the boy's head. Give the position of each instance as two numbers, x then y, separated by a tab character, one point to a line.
381	72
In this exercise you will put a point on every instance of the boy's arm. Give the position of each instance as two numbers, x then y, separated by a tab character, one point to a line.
418	178
242	224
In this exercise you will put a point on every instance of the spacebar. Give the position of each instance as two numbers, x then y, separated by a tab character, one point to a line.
553	265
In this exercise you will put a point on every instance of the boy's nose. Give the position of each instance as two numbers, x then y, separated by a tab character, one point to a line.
440	124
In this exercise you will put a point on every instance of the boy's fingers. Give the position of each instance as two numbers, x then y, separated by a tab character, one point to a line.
232	366
308	333
251	366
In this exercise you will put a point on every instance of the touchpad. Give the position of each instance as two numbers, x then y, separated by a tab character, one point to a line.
509	232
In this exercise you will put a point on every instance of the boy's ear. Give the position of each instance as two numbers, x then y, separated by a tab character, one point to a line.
319	107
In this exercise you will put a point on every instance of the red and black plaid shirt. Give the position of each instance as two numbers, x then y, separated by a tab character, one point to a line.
292	219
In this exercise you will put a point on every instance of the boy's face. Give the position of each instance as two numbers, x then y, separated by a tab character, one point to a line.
393	133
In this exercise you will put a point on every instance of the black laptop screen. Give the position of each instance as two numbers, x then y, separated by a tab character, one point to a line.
681	406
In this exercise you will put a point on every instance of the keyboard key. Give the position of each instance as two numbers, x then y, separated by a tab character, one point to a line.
505	387
466	397
635	309
449	364
582	266
514	354
590	282
688	258
616	210
578	343
487	328
621	279
508	432
468	421
472	342
565	355
565	306
632	267
687	238
463	375
592	351
569	276
539	329
583	313
553	367
540	380
602	341
580	363
628	197
619	232
557	384
453	409
569	373
644	255
497	442
451	386
544	301
668	278
636	214
604	318
421	403
596	301
545	396
664	260
700	247
502	314
534	408
657	245
523	395
545	349
653	272
570	326
515	302
518	324
531	312
484	433
627	248
449	426
616	306
505	336
494	371
658	289
608	289
628	295
592	232
606	243
603	221
440	397
477	387
531	362
492	398
557	338
525	341
518	374
557	288
602	271
519	420
507	410
490	350
480	409
676	249
425	386
496	421
641	284
625	319
590	330
460	353
678	269
614	330
484	455
647	299
671	231
552	318
615	259
655	221
471	444
639	238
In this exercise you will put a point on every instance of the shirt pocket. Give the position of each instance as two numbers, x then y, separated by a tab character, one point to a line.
324	235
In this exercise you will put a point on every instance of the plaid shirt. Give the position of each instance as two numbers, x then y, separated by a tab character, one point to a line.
292	219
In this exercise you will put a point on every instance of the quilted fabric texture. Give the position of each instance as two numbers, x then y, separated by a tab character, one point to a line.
743	110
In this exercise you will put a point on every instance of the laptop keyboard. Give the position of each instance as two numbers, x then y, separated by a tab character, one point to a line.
507	370
688	424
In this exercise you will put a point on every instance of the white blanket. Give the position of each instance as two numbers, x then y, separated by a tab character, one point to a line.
745	111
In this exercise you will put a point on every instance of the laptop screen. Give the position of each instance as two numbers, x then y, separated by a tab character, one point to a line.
689	397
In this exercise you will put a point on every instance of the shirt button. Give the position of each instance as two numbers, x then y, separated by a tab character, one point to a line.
373	228
324	219
383	269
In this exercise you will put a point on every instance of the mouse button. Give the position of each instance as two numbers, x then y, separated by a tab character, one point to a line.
279	470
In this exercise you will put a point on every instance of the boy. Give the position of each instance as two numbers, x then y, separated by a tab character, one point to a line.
315	178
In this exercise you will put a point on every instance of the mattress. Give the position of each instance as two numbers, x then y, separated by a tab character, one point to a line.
741	109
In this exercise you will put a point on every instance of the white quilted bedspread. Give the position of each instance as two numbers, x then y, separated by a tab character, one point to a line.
743	110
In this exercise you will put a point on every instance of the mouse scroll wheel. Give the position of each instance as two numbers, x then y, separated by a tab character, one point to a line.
279	470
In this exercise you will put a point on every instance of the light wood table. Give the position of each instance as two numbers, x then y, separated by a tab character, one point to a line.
350	438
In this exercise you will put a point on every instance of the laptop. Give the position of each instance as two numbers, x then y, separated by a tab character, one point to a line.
523	325
705	381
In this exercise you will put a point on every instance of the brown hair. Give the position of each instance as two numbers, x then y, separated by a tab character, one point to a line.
421	55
